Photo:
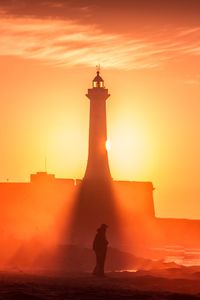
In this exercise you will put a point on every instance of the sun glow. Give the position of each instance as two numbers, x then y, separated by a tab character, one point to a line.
131	153
108	145
62	153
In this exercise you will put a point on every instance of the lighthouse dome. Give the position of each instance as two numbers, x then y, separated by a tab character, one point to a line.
98	81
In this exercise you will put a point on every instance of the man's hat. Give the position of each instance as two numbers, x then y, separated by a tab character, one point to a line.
103	226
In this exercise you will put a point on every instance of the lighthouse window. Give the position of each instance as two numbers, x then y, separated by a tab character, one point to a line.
98	84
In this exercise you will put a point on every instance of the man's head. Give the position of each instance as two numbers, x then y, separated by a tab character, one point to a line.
103	227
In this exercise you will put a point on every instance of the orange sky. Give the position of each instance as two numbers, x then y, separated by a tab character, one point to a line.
150	63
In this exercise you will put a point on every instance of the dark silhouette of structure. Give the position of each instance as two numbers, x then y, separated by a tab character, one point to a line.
95	202
97	164
100	245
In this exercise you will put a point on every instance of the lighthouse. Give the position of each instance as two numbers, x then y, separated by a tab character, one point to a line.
95	201
97	164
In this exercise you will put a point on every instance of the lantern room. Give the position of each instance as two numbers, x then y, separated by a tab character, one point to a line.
98	82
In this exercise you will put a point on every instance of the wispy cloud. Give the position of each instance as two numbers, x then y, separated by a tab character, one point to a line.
186	32
69	43
192	82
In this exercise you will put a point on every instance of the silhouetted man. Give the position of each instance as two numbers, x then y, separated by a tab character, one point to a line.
100	248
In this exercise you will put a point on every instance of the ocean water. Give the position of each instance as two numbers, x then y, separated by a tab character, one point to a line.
182	256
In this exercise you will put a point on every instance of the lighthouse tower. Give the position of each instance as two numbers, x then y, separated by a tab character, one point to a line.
95	202
97	164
